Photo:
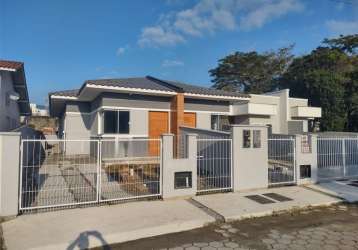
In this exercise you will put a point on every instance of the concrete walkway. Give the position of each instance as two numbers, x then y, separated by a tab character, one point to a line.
338	188
96	226
235	206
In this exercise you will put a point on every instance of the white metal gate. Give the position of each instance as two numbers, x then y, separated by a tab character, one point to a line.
281	161
214	165
59	173
337	157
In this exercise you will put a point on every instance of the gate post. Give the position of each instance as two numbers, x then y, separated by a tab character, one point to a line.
249	157
306	159
176	171
9	173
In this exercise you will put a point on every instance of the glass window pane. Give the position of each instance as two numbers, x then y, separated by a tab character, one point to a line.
123	122
246	139
110	122
257	139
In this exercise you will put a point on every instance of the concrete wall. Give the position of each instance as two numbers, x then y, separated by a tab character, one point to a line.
204	133
135	101
171	166
9	113
250	165
206	105
297	127
203	120
306	158
9	173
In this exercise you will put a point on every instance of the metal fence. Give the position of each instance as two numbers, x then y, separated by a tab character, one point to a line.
214	165
58	173
337	157
130	169
281	161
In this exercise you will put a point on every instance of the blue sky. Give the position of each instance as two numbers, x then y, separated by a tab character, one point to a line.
63	43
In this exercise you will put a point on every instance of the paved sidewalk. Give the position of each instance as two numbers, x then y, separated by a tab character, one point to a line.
96	226
235	206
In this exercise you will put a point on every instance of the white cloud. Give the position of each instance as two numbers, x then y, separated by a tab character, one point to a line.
267	12
342	27
172	63
120	51
159	36
210	16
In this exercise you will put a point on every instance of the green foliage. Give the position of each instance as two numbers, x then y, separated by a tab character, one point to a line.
251	72
348	44
325	77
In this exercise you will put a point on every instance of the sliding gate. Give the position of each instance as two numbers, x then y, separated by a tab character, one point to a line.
60	173
281	161
337	157
214	165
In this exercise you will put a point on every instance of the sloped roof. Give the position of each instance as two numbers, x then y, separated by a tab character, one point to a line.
151	83
11	64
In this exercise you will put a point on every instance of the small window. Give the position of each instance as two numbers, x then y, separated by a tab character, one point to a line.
305	171
182	180
306	144
246	138
116	122
257	139
215	122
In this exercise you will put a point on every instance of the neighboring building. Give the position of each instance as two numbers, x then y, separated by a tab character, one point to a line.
283	114
14	99
149	107
38	110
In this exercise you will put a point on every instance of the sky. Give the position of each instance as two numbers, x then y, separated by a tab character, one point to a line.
63	43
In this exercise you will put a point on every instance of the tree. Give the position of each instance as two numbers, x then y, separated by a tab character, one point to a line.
348	44
251	72
322	77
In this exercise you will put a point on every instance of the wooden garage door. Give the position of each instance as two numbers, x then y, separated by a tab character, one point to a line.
190	119
158	125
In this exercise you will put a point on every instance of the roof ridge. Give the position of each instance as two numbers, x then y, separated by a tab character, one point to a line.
165	83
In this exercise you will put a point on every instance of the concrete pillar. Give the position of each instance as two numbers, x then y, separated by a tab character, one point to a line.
9	173
304	157
250	163
171	166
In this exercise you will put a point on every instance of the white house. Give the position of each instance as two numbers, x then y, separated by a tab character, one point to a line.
14	99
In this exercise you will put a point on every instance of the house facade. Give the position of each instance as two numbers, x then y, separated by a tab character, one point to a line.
14	99
148	107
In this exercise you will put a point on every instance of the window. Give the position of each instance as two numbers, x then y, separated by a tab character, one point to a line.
257	139
220	122
306	144
116	122
182	180
215	122
246	138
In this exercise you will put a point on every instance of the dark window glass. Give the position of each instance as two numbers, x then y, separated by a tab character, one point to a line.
110	122
305	171
246	138
257	139
116	122
182	180
215	122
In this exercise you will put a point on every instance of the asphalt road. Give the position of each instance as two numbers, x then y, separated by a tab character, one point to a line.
334	227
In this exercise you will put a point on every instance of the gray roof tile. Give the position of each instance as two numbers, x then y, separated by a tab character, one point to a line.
151	83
